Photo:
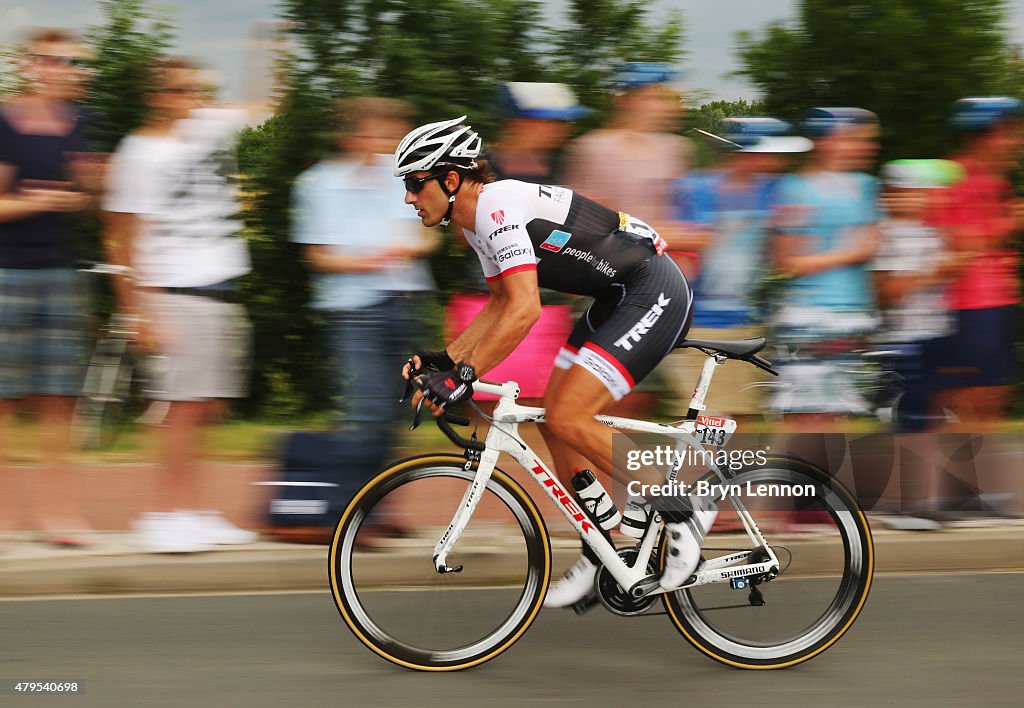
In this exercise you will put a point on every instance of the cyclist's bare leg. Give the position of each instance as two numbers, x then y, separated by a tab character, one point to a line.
580	396
564	458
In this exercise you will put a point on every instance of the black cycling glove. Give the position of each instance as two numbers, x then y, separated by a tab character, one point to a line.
431	361
447	388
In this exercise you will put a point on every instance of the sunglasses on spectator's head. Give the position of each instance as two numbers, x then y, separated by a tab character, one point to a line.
417	184
76	62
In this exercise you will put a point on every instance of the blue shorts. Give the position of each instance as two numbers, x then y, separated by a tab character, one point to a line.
43	341
981	353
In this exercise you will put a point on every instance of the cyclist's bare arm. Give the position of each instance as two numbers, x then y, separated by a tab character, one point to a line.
510	312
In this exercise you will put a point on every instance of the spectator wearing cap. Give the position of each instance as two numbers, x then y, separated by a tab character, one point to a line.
633	162
732	203
827	233
913	269
536	120
983	216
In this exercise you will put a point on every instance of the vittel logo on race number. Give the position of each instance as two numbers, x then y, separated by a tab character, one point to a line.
498	217
711	422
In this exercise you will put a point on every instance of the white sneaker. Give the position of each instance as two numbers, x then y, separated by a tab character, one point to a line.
684	542
167	532
213	528
575	585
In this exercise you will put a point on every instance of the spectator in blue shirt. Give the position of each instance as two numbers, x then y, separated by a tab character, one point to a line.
732	203
827	221
366	249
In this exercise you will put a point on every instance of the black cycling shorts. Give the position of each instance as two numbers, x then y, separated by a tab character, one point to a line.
632	326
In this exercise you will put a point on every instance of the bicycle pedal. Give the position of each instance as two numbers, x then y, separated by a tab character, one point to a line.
584	605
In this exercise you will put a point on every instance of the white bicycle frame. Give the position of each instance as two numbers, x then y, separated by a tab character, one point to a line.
503	437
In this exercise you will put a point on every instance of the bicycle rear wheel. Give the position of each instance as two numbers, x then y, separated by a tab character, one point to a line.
824	546
386	586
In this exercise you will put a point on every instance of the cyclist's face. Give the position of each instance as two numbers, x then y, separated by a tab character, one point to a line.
430	202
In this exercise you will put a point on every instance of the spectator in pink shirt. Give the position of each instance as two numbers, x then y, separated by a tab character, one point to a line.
982	216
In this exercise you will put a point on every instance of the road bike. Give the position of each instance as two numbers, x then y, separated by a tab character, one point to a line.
469	575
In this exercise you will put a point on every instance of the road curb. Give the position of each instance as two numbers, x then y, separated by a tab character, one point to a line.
115	568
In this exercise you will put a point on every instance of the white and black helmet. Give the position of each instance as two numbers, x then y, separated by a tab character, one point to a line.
447	142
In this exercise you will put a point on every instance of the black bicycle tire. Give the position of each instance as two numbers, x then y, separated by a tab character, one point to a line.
683	622
339	562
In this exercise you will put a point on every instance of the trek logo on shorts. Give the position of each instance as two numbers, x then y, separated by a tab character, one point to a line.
498	217
644	325
556	241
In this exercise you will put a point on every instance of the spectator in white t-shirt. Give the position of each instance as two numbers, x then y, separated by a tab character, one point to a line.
171	216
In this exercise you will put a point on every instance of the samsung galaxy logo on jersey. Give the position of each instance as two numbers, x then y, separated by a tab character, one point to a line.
556	241
506	255
503	229
644	325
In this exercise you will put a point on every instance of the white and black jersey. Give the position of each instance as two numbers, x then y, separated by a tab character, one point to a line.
642	306
576	245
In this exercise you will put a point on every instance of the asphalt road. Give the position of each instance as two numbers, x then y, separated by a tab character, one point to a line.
921	640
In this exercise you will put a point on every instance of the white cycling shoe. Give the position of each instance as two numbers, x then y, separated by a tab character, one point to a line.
575	585
684	542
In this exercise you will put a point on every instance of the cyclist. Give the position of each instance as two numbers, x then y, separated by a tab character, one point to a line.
529	236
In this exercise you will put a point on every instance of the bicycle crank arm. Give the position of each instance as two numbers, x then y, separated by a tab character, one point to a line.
646	586
443	568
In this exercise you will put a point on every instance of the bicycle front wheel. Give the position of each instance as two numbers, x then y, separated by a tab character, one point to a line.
385	583
823	543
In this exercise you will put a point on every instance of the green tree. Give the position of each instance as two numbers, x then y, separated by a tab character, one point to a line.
907	60
131	36
602	33
709	117
10	82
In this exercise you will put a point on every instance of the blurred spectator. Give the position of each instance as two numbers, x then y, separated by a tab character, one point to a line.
536	119
535	126
983	217
171	209
633	162
42	299
826	219
368	252
913	268
733	203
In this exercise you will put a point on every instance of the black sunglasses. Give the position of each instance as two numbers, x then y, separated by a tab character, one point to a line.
417	184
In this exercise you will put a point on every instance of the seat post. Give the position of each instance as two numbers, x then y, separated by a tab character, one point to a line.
703	383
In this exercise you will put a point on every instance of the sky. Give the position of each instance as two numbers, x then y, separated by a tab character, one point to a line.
215	30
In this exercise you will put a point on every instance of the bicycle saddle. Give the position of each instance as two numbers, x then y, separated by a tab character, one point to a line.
733	348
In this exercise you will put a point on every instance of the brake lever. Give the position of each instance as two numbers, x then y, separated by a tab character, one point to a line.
419	383
407	392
